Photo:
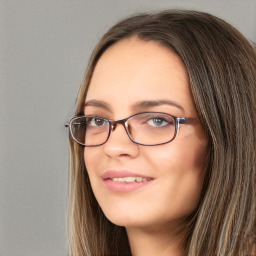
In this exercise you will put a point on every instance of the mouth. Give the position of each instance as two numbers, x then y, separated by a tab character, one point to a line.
131	179
124	181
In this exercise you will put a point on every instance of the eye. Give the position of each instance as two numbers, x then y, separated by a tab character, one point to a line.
158	122
97	121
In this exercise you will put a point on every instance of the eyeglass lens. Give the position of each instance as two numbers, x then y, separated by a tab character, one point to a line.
143	128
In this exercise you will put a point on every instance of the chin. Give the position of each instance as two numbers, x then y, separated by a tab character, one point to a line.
126	217
147	220
122	218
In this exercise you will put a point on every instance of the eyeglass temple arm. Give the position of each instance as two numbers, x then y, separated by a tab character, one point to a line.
186	120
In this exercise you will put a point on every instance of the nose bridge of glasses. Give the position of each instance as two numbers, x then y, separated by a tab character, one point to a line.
115	123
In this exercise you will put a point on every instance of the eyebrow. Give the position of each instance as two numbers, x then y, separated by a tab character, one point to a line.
99	104
137	105
156	103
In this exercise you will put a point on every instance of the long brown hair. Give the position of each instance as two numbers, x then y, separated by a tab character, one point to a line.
221	65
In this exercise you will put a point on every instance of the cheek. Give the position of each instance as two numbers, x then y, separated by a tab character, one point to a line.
89	156
182	156
181	171
92	161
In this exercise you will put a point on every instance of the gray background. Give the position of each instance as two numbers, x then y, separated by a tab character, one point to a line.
44	49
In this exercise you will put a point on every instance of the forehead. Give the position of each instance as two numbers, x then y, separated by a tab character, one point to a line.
133	70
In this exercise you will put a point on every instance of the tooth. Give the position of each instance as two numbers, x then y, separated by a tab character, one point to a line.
130	179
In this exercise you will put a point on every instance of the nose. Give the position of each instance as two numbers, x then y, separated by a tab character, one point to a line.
119	144
114	124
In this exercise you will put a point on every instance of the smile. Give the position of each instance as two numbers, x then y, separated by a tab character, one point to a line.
131	179
124	181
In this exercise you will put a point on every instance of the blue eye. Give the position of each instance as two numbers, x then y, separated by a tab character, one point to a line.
158	122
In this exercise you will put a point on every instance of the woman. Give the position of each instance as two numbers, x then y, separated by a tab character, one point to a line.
163	142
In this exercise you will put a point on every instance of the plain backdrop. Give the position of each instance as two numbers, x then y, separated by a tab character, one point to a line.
44	49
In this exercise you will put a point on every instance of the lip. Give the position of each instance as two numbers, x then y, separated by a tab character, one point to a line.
116	186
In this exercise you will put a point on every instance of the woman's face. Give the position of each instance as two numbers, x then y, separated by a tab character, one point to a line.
134	76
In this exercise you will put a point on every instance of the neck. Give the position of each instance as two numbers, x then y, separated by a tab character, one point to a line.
151	242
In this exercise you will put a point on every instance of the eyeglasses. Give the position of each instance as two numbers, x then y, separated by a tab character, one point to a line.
146	128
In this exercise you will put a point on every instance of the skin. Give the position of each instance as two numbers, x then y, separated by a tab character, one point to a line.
128	72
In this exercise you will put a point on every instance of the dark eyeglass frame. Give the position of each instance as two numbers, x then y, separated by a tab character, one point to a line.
113	124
